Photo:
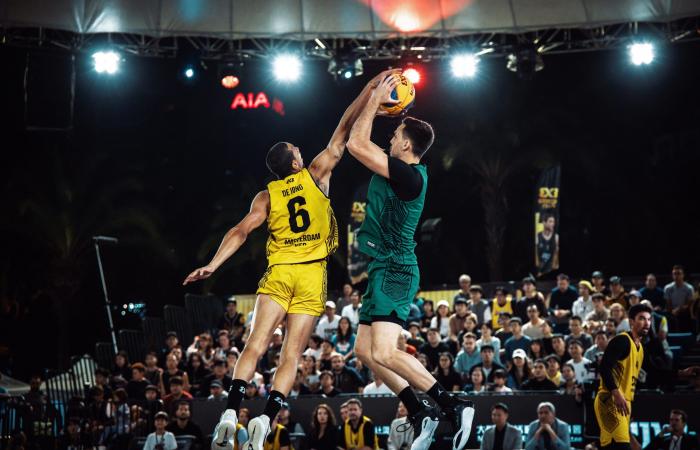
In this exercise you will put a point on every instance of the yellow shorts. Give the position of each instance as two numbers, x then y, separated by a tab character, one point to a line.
613	425
298	288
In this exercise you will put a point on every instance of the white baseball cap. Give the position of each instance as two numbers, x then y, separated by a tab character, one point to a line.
519	353
443	303
330	304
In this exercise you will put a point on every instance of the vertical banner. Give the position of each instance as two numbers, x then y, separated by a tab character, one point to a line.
547	221
357	261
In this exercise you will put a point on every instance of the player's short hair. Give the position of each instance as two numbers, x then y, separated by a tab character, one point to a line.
637	309
420	133
279	160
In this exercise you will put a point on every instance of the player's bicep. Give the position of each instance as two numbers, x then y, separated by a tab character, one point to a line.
371	156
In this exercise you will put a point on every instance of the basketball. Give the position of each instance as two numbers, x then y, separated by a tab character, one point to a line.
405	93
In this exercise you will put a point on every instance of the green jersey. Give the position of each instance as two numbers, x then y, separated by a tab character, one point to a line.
387	233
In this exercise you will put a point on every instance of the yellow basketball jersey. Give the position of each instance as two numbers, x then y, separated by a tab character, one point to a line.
626	371
497	310
301	222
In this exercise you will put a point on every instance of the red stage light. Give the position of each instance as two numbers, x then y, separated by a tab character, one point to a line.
229	81
412	74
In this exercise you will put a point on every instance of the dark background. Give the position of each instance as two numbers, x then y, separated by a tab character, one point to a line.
167	167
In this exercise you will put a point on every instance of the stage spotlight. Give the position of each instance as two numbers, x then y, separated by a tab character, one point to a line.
412	74
641	53
106	62
464	65
525	61
189	72
287	67
344	68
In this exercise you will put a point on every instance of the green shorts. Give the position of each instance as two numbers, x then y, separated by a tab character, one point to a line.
390	291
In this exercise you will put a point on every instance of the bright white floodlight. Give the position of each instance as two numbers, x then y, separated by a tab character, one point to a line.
464	65
641	53
106	62
287	67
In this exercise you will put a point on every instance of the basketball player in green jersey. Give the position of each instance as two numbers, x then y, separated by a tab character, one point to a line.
395	201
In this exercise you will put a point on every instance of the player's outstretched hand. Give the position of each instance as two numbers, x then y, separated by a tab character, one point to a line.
374	82
199	274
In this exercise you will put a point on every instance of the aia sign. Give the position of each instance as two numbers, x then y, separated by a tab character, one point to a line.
253	101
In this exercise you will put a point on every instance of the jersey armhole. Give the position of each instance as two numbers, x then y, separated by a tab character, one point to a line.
313	180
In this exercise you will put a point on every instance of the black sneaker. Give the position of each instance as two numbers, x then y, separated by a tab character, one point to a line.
424	424
462	419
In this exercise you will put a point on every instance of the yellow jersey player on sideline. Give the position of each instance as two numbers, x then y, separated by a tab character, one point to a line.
619	373
303	233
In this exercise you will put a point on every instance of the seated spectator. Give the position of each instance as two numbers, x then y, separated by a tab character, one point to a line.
344	339
531	297
441	320
171	342
595	352
231	360
121	366
679	297
470	326
327	387
347	380
324	360
324	433
465	283
504	333
499	382
445	373
619	314
488	339
177	393
519	370
204	345
271	358
118	412
433	348
219	373
539	380
97	411
224	345
547	432
311	373
536	350
244	417
152	370
487	364
278	438
415	309
576	332
610	327
595	320
233	322
598	280
579	363
569	385
284	418
477	305
216	391
559	347
517	340
160	439
652	292
400	432
299	388
344	299
328	323
73	437
196	372
252	391
136	387
468	356
416	339
102	380
674	436
352	310
584	304
362	370
428	314
477	380
502	435
617	293
358	430
500	305
152	405
171	371
533	328
314	348
456	320
561	301
377	387
553	373
403	345
183	425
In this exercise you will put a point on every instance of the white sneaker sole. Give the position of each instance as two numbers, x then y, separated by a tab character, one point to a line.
223	436
257	435
425	439
465	429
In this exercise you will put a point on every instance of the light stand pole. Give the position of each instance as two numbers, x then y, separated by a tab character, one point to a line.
108	305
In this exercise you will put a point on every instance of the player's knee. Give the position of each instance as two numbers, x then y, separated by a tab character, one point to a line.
384	355
363	352
255	348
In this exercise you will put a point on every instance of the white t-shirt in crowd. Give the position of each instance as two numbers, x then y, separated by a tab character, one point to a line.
373	389
352	314
167	439
582	308
582	374
325	328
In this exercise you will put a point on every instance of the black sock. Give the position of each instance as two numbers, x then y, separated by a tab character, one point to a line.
236	394
410	401
441	396
274	404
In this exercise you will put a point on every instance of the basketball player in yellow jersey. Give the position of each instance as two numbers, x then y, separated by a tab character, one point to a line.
619	372
303	233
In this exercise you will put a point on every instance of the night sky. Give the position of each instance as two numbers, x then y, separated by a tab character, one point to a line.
167	167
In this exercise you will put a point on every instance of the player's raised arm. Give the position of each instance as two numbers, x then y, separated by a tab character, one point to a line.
324	163
359	143
235	237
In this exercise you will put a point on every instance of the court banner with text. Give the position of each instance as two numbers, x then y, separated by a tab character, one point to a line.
547	221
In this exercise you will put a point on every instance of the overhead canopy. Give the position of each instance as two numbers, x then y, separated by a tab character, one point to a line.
309	19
